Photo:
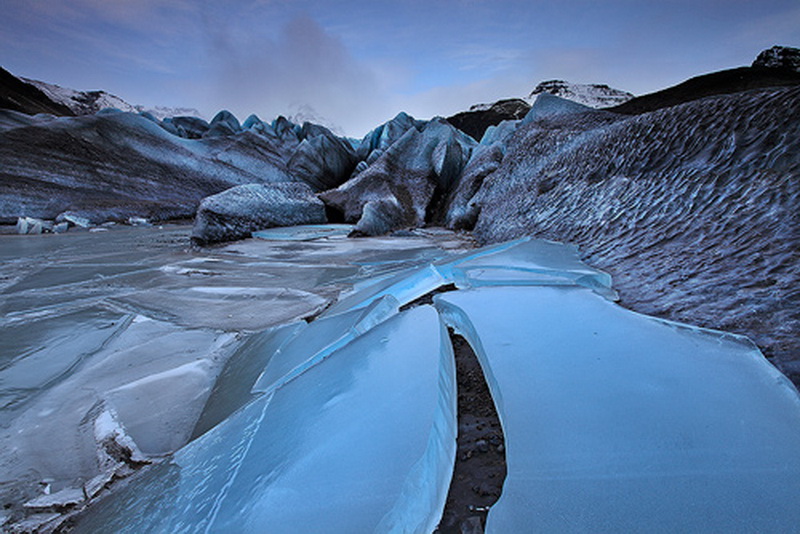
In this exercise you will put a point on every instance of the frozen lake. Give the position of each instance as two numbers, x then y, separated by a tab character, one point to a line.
302	378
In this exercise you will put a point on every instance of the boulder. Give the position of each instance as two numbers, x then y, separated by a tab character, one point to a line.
239	211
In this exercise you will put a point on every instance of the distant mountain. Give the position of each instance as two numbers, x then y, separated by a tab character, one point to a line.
724	82
480	116
34	96
89	102
592	95
17	95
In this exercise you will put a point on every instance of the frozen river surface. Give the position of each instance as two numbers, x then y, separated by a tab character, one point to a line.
305	380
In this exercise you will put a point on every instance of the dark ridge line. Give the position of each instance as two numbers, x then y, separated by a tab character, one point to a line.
480	466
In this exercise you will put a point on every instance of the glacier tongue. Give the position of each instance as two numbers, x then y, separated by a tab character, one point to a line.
618	422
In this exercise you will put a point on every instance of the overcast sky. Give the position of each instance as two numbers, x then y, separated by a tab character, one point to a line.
357	63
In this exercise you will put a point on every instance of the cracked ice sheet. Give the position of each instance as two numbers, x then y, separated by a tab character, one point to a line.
155	375
617	422
527	261
364	441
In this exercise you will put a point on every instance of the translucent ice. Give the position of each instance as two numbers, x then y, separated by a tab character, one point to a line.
618	422
304	233
310	455
320	339
528	261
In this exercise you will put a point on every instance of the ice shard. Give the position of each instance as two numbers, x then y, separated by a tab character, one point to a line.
618	422
364	441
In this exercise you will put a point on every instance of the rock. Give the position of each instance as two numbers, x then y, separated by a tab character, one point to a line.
779	57
237	212
411	178
75	219
475	122
29	225
138	221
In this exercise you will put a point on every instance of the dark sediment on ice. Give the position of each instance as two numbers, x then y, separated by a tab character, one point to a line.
480	468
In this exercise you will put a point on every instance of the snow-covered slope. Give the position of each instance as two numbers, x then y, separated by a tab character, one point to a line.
88	102
592	95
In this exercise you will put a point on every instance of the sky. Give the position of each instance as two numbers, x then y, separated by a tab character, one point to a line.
354	64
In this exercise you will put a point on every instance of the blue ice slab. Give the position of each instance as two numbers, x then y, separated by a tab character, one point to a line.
232	389
313	343
618	422
530	262
304	233
406	286
362	442
38	354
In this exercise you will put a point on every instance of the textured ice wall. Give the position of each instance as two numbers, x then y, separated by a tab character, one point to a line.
694	210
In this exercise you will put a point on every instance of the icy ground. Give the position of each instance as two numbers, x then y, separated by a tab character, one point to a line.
613	421
118	336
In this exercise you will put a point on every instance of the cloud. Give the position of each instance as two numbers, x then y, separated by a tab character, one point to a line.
302	67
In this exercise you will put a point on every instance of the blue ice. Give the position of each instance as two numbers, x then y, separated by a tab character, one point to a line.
618	422
364	441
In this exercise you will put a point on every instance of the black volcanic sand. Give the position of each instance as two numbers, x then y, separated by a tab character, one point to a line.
480	468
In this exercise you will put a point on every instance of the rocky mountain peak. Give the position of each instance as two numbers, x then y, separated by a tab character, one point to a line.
779	57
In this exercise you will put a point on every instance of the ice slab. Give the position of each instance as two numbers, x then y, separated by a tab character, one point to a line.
38	354
404	287
320	339
618	422
154	375
304	233
528	261
362	442
231	390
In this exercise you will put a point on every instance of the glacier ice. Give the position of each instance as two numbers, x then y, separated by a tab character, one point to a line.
306	232
309	455
613	420
167	342
616	421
